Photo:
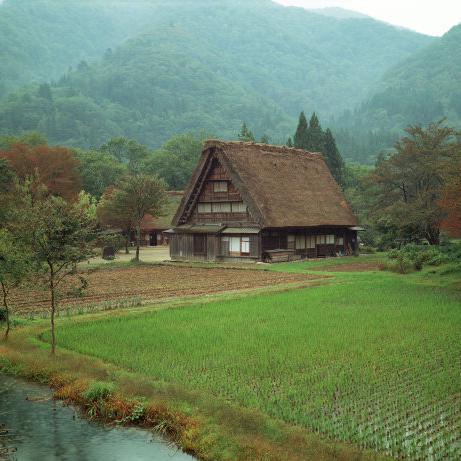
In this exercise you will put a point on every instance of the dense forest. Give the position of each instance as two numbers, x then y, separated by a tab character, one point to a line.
30	50
422	88
175	69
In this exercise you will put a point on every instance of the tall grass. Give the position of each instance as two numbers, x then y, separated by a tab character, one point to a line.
374	360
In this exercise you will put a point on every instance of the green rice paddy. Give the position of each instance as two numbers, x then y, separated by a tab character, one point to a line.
372	358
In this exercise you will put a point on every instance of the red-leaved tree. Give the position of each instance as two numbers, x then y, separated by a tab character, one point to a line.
54	167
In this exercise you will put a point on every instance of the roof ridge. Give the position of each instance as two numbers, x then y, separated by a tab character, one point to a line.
266	147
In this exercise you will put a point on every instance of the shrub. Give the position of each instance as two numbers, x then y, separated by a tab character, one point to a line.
401	265
451	250
2	315
417	256
452	269
367	249
98	391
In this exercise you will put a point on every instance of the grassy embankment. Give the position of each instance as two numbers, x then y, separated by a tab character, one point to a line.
372	358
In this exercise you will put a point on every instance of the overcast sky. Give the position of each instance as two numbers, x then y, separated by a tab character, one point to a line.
432	17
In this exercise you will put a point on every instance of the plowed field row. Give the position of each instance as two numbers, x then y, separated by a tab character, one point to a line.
157	282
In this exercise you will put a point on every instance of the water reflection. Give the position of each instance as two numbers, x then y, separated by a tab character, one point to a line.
35	427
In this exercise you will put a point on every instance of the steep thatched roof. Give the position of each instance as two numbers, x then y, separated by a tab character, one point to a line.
282	187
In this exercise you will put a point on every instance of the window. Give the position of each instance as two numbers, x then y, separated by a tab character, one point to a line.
234	245
245	245
238	246
330	239
320	239
239	207
204	207
221	207
220	186
300	242
310	241
340	241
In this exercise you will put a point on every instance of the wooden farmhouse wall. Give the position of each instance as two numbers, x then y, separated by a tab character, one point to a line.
219	200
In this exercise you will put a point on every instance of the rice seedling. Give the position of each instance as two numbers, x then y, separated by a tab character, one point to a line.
374	360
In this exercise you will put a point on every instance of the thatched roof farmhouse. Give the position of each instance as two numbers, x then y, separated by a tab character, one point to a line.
253	202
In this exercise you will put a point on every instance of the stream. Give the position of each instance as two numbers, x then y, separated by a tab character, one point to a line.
34	427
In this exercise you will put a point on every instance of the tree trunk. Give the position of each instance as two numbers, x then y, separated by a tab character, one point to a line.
7	312
127	243
138	242
433	236
53	310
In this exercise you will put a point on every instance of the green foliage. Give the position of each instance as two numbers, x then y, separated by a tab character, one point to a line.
333	158
28	31
98	391
59	233
265	139
115	240
314	139
300	137
365	364
31	138
98	171
417	256
132	199
406	188
15	266
128	152
245	134
176	159
137	413
15	259
6	181
422	88
183	69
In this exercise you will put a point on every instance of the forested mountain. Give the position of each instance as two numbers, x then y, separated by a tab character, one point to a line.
423	88
40	39
207	65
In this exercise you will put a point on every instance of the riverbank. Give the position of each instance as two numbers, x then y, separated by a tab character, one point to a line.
229	379
35	426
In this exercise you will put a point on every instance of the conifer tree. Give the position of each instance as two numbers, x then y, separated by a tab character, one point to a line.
315	140
265	139
333	158
300	138
289	142
246	134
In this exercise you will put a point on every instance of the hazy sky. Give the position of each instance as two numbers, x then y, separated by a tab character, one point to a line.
433	17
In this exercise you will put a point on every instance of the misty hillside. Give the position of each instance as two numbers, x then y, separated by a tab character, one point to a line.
423	88
40	39
208	65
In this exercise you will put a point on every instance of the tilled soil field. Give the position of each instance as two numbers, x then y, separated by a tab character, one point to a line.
153	283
